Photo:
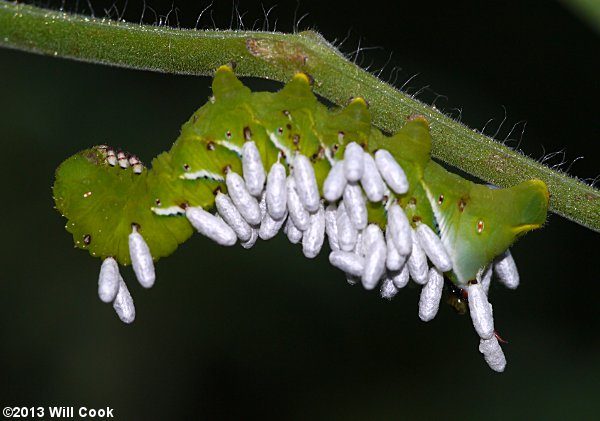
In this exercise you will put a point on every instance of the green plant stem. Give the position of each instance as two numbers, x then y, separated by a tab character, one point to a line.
277	56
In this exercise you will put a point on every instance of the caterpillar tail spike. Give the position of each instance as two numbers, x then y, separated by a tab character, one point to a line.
247	164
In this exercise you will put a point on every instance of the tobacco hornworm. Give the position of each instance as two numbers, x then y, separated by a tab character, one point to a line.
390	213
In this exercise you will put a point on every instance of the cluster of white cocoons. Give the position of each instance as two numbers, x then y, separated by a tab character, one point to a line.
481	310
112	287
259	205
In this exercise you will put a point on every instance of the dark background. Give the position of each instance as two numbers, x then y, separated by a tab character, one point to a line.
229	333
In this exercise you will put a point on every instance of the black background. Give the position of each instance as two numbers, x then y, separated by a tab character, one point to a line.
229	333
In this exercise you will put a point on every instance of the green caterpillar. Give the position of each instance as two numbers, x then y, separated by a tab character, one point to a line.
329	171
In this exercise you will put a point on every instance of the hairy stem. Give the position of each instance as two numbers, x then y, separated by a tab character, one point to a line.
277	56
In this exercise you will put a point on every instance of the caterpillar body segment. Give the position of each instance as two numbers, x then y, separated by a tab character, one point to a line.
315	172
